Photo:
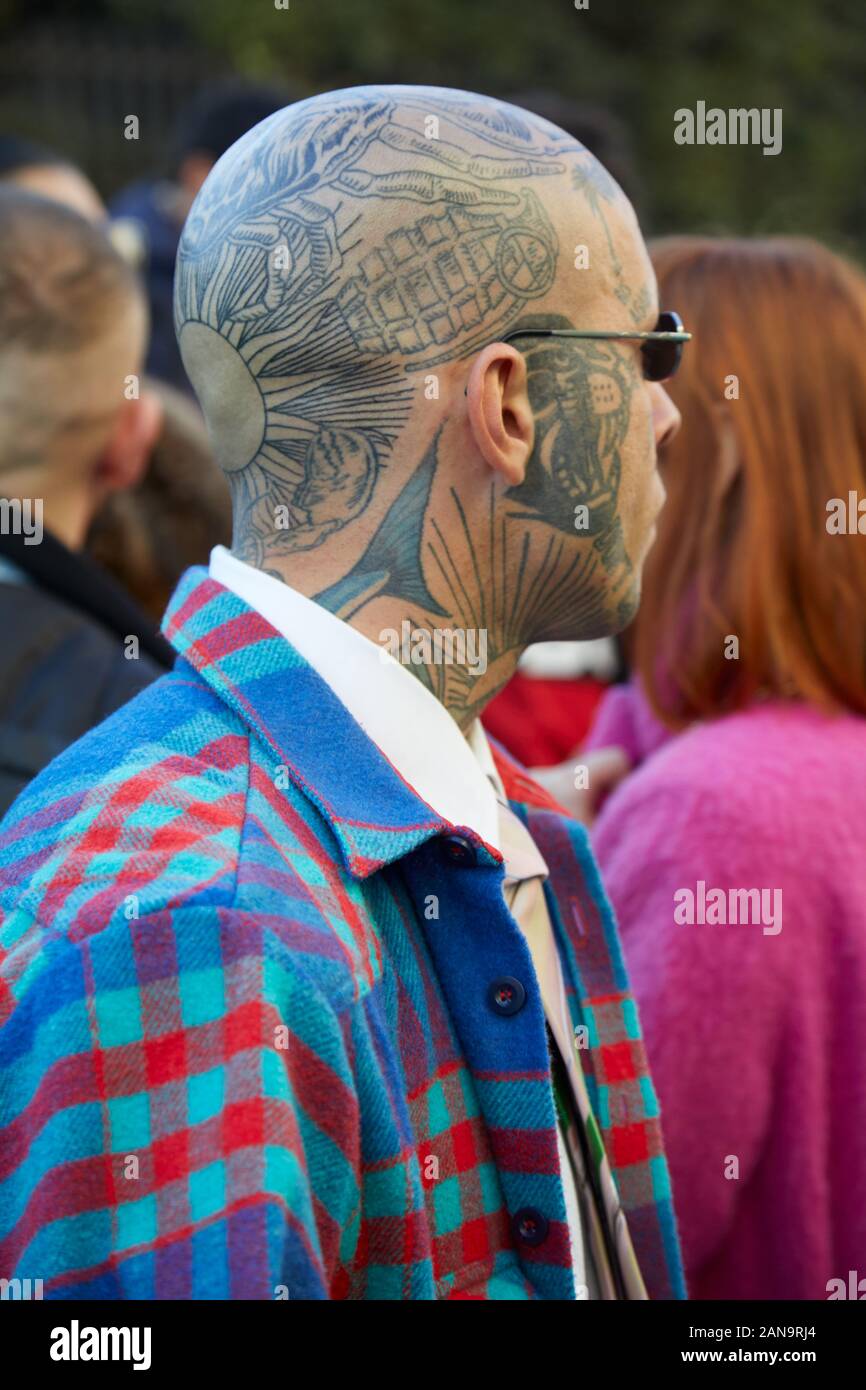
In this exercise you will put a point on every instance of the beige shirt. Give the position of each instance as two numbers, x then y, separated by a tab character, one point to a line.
525	873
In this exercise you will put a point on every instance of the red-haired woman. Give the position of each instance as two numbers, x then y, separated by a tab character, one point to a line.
735	853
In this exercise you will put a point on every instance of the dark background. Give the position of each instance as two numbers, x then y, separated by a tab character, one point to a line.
70	72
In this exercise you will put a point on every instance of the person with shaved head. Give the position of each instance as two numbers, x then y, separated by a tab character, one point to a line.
335	985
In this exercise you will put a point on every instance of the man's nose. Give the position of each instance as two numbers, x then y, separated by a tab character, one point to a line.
666	417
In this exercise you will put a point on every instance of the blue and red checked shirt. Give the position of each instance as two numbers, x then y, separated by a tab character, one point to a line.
252	1042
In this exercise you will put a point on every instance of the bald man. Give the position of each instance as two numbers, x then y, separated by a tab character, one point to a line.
72	433
336	986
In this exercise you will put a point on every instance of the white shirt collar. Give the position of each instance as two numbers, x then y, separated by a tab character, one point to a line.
406	722
570	660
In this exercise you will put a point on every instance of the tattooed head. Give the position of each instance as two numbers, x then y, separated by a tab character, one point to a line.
343	271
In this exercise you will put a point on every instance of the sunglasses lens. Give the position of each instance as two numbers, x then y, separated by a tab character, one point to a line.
661	360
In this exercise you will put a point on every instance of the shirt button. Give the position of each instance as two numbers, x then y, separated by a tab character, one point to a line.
529	1226
458	851
506	996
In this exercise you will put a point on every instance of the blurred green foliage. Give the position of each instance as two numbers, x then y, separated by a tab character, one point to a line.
641	59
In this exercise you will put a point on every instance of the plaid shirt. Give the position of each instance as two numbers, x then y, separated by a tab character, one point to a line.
252	1034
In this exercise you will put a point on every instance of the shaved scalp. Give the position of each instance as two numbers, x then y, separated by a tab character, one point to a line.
347	244
65	299
343	259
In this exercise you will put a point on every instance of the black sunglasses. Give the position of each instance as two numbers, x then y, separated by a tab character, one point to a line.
661	350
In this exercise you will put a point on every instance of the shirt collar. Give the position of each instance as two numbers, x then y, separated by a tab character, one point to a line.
375	813
523	859
483	755
402	717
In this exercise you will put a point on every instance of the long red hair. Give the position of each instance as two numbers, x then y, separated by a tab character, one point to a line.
743	548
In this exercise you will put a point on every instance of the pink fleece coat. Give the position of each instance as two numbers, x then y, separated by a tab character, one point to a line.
756	1041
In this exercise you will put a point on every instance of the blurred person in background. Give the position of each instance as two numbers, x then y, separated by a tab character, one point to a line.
180	508
73	326
546	708
157	208
748	738
148	535
38	169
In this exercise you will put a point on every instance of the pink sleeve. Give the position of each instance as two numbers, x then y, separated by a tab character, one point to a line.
712	998
624	719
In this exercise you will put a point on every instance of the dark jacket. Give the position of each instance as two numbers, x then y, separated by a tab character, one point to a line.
63	662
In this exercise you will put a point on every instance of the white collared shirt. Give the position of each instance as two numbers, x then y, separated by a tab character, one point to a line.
404	719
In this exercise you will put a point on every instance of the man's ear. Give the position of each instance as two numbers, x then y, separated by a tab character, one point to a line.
124	459
500	415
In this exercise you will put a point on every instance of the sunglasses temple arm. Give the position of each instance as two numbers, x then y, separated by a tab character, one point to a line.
607	334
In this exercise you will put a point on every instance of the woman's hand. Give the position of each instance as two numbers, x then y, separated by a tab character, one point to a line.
583	782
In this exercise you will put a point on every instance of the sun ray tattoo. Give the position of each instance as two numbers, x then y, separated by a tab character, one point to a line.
315	329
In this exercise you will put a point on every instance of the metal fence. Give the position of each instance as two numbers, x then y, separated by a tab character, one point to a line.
73	88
